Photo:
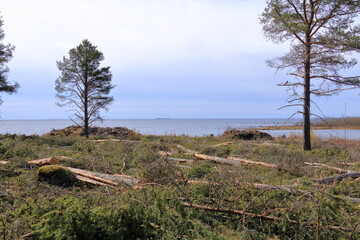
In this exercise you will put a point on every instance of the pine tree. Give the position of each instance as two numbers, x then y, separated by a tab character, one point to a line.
6	54
84	85
321	33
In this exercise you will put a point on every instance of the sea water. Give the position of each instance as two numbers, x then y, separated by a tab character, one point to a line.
190	127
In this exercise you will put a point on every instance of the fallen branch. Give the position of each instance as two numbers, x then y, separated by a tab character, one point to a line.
337	178
260	216
223	144
339	170
44	161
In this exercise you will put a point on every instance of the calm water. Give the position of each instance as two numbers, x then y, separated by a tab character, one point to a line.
191	127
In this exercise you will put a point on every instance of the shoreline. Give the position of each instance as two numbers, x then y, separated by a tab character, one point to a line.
300	127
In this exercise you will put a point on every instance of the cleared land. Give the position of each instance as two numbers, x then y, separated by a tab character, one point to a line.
181	188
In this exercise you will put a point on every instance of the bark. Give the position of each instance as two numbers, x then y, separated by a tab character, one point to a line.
110	179
306	113
44	161
87	174
89	180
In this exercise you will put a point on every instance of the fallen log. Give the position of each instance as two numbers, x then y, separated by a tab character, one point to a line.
246	161
3	162
111	179
88	180
229	160
88	174
339	170
44	161
261	216
223	144
337	178
217	159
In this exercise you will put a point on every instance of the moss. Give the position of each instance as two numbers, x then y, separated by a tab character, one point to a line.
56	175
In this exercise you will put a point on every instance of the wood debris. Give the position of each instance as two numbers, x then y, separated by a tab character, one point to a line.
229	160
339	170
223	144
44	161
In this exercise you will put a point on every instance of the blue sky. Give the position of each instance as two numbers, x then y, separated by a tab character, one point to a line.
169	58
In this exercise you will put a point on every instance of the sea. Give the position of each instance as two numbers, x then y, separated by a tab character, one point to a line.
169	126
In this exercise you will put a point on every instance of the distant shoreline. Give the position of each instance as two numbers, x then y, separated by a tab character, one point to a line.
300	127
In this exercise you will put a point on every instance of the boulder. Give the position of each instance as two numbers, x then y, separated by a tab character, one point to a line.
247	135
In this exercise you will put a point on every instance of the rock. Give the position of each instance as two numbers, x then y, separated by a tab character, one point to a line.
247	134
56	175
117	132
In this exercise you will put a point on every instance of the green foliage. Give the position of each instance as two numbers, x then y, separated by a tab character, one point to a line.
5	56
83	84
153	217
154	209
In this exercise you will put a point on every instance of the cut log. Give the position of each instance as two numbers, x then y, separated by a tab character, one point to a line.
217	159
110	179
260	216
229	160
44	161
3	162
246	161
337	178
339	170
88	180
88	174
223	144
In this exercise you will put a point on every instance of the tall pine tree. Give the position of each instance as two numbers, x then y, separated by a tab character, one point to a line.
321	33
84	85
6	54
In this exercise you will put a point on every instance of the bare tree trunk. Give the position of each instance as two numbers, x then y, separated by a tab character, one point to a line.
306	113
86	113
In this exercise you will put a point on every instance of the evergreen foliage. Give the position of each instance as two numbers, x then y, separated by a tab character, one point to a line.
6	54
83	84
321	33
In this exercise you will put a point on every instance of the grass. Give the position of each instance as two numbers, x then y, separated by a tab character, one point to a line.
155	210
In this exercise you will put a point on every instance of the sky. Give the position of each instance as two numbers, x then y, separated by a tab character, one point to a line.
169	59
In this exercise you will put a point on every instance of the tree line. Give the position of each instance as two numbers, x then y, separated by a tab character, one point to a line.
322	34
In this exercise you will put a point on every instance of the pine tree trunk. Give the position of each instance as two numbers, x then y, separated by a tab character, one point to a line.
306	113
